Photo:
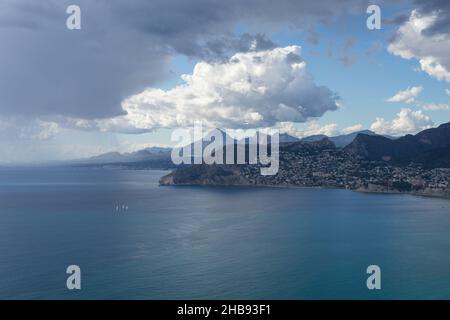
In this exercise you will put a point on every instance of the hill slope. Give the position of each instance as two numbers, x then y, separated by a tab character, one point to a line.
426	146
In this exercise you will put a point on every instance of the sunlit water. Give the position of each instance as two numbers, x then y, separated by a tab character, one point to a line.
213	242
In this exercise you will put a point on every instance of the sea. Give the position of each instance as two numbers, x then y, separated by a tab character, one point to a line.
134	239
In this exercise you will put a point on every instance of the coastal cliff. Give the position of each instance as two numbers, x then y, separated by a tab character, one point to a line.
205	175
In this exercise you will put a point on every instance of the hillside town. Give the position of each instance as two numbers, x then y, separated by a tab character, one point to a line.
336	168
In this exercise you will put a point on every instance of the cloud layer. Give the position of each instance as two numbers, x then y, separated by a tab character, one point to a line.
408	95
421	39
251	89
407	121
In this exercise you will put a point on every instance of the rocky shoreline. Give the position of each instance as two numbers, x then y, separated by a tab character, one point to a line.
170	180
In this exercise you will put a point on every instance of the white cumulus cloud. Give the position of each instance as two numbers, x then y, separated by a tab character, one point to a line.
313	127
351	129
431	50
407	121
310	128
408	95
251	89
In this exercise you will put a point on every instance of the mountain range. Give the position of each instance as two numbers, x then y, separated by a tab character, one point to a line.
137	156
153	157
159	157
341	140
430	148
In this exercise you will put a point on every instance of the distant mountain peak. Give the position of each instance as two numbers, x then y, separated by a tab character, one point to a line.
445	125
368	132
284	137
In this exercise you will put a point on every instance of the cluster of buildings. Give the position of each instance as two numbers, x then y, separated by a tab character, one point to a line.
336	168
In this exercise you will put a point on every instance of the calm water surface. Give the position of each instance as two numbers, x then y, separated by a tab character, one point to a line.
213	242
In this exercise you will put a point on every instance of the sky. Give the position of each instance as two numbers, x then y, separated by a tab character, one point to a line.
136	70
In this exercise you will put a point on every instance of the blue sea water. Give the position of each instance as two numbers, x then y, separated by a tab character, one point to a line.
213	242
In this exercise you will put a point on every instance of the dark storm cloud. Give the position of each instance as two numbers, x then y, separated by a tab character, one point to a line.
224	47
125	46
442	9
397	19
47	69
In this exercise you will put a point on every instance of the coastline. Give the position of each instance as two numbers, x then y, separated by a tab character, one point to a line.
426	194
414	193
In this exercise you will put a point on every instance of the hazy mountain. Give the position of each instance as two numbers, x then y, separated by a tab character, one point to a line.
345	139
316	137
148	158
430	147
341	140
286	138
137	156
